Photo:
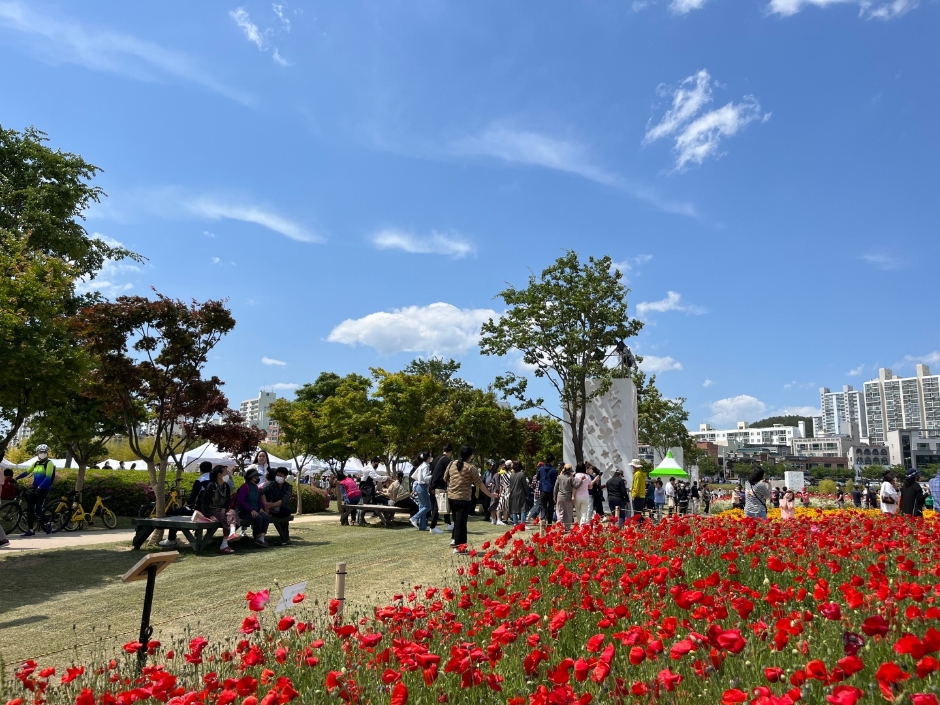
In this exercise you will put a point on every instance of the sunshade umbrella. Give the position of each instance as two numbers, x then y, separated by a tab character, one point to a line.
669	468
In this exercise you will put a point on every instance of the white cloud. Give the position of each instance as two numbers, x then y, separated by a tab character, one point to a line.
278	59
856	372
683	7
278	10
282	386
799	385
272	361
655	365
108	279
698	133
707	383
216	260
867	9
535	149
211	208
437	243
672	302
438	329
730	410
62	39
884	261
631	263
932	358
796	411
252	33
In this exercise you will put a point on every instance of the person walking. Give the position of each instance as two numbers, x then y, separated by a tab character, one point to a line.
563	496
638	489
671	496
43	472
659	499
912	494
439	487
617	495
582	495
682	498
788	505
840	497
460	476
889	495
488	476
502	514
421	479
536	496
547	476
597	490
856	496
756	494
706	497
934	486
694	497
518	494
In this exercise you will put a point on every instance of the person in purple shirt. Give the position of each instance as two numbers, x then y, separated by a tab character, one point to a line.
250	509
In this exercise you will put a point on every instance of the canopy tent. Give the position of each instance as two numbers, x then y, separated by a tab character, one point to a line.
207	451
58	463
669	468
4	464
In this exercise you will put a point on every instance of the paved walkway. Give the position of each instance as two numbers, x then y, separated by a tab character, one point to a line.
66	539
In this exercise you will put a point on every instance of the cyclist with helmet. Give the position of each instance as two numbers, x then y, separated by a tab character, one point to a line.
43	472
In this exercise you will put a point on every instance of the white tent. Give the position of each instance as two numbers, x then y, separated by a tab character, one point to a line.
207	451
4	464
58	463
116	464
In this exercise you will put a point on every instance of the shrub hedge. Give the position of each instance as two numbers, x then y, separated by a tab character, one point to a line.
129	490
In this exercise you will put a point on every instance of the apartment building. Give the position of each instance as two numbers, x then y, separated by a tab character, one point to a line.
894	403
840	410
255	411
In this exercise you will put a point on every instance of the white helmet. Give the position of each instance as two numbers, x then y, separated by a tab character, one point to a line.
42	448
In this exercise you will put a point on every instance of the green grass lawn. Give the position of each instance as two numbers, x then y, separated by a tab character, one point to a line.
69	605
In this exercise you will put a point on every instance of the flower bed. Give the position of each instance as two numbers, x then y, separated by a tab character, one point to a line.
837	607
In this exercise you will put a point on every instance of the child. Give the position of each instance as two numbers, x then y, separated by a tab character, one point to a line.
8	489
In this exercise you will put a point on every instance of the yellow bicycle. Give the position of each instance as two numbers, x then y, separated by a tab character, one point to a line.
172	503
80	516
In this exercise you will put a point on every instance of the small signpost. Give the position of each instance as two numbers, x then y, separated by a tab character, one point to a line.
147	568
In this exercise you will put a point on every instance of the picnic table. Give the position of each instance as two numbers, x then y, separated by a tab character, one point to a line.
386	512
197	533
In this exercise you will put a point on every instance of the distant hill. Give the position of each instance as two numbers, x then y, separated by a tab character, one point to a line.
786	421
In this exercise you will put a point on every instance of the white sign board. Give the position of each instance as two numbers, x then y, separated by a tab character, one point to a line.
288	594
793	480
610	430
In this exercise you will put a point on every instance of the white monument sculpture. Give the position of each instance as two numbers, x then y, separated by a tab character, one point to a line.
610	429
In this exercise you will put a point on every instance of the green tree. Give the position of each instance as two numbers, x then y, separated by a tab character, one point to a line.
873	472
44	251
770	421
708	466
827	487
661	421
839	474
320	390
152	354
566	322
404	406
492	430
349	423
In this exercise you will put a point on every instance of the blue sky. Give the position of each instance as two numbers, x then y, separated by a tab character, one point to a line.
360	179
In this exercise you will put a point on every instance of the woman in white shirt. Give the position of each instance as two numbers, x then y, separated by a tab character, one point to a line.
889	495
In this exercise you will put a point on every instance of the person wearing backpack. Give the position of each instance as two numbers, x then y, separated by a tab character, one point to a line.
192	504
43	472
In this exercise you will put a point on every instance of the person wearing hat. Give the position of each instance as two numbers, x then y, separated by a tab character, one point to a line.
43	472
249	507
889	495
617	494
638	491
192	503
912	494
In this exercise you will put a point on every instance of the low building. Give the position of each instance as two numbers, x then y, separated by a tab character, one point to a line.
861	456
745	435
826	447
914	448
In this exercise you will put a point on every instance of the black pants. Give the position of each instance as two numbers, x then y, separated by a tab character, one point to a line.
598	504
639	503
548	507
460	508
259	524
407	503
34	501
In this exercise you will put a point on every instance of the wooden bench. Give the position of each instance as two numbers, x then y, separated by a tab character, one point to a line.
386	512
197	533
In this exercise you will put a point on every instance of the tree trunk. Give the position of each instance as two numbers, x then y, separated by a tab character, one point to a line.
80	477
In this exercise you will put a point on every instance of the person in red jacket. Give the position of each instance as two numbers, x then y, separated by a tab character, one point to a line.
9	489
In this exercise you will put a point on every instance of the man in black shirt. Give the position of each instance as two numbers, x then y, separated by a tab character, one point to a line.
617	492
438	485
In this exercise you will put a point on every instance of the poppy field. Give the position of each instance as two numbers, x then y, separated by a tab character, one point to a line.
839	607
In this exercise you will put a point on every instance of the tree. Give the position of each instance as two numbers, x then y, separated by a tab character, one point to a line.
708	466
300	432
348	423
79	426
661	421
873	472
565	323
44	251
233	436
151	357
827	487
405	402
819	472
321	389
770	421
492	430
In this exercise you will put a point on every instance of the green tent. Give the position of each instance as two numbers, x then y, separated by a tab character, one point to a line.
669	468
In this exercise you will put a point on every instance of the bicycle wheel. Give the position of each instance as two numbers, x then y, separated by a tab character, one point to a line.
57	514
10	517
108	517
70	522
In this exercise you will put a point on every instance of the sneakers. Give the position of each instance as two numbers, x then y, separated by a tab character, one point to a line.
233	537
26	534
227	551
449	527
166	543
501	523
4	543
464	552
414	522
435	530
261	542
47	528
453	543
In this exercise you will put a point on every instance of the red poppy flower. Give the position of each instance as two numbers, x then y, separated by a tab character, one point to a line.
773	674
595	642
890	672
637	655
250	625
831	610
132	647
844	695
926	666
875	626
298	598
399	695
924	699
730	697
390	676
285	623
257	600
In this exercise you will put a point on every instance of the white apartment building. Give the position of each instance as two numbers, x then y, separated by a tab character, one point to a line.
895	403
255	411
862	455
825	447
745	435
914	448
840	410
